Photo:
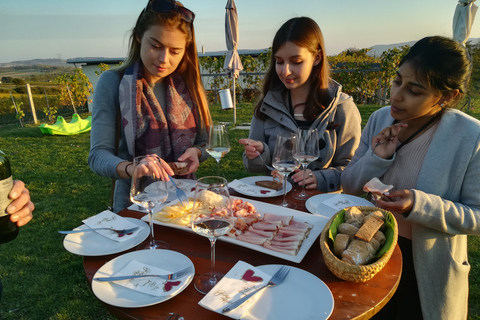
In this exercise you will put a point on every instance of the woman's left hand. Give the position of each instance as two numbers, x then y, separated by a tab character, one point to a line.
399	201
21	207
191	156
310	178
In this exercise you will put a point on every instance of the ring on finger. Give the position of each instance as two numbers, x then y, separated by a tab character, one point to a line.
310	174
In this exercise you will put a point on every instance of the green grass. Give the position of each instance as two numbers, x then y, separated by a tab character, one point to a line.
41	279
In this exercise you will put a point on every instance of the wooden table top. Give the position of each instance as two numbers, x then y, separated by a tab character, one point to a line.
352	300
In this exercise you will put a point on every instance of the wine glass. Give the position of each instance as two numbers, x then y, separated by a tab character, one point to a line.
148	189
211	218
305	151
218	144
284	161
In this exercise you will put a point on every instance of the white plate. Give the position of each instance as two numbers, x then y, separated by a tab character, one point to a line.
119	296
93	244
253	179
318	223
317	206
301	296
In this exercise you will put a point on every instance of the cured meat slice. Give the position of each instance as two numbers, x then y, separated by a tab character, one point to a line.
262	225
252	237
287	237
291	252
275	218
268	234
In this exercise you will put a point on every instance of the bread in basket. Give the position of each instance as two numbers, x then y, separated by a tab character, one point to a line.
351	272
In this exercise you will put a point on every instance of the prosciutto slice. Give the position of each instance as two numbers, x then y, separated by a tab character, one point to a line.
275	218
262	225
291	252
252	237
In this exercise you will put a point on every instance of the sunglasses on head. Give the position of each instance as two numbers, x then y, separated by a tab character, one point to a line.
164	6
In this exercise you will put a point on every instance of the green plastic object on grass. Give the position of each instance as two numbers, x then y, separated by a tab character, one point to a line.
61	127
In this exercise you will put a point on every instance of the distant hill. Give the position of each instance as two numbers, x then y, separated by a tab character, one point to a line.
378	49
36	62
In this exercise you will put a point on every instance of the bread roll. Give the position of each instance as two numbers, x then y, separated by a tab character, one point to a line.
359	252
346	228
353	213
341	243
354	222
380	237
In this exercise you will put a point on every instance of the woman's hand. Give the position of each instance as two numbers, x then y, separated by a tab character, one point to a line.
21	208
399	201
385	143
310	178
149	165
252	147
191	156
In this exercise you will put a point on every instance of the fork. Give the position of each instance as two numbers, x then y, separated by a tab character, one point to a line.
172	276
268	167
119	232
182	197
277	279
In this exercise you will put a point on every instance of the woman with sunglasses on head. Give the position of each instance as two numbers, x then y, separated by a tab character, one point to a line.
430	153
298	92
154	103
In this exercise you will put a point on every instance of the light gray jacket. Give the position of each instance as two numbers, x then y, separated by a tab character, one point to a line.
339	144
445	211
102	159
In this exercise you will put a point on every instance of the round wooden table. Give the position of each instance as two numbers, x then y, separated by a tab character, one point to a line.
352	300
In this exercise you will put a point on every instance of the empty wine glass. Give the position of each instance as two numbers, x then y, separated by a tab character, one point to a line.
284	161
211	218
305	151
218	144
148	189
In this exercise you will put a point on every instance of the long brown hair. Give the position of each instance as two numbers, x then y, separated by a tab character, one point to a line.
188	68
303	32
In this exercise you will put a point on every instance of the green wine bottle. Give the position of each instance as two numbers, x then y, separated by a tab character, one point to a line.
8	229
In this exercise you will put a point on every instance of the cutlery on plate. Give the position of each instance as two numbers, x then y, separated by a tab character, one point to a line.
182	197
277	279
172	276
121	232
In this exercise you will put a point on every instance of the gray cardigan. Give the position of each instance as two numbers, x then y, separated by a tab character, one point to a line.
340	142
445	211
102	159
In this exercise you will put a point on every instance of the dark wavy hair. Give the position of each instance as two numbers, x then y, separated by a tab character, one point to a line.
444	64
303	32
188	68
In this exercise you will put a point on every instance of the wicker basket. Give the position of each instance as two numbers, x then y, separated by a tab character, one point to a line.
348	271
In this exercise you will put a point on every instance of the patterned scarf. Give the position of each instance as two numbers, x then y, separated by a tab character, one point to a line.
148	130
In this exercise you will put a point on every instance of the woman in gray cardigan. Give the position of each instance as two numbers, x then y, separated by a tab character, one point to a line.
298	92
430	153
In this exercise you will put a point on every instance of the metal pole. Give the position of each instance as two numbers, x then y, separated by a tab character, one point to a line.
234	103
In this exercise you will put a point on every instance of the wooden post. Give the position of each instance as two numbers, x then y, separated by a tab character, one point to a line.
32	106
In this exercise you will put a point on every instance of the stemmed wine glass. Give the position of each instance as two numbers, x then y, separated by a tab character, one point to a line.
211	218
218	144
305	151
148	189
284	161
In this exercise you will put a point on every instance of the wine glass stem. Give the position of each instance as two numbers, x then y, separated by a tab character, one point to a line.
218	167
213	278
285	203
150	218
304	173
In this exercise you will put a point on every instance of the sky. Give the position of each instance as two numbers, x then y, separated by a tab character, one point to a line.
67	29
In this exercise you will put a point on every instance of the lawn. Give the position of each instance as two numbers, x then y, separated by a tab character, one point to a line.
41	279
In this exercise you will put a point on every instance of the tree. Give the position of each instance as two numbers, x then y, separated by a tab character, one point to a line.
74	89
18	81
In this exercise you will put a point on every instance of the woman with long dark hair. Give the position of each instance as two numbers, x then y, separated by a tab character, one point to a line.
298	92
154	103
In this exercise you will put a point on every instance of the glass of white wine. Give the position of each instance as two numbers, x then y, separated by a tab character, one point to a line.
305	151
148	189
211	218
218	144
284	161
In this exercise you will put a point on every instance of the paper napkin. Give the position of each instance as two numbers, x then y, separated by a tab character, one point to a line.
246	188
239	281
152	285
109	219
339	202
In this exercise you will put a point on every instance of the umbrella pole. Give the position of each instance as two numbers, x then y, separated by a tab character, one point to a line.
234	104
